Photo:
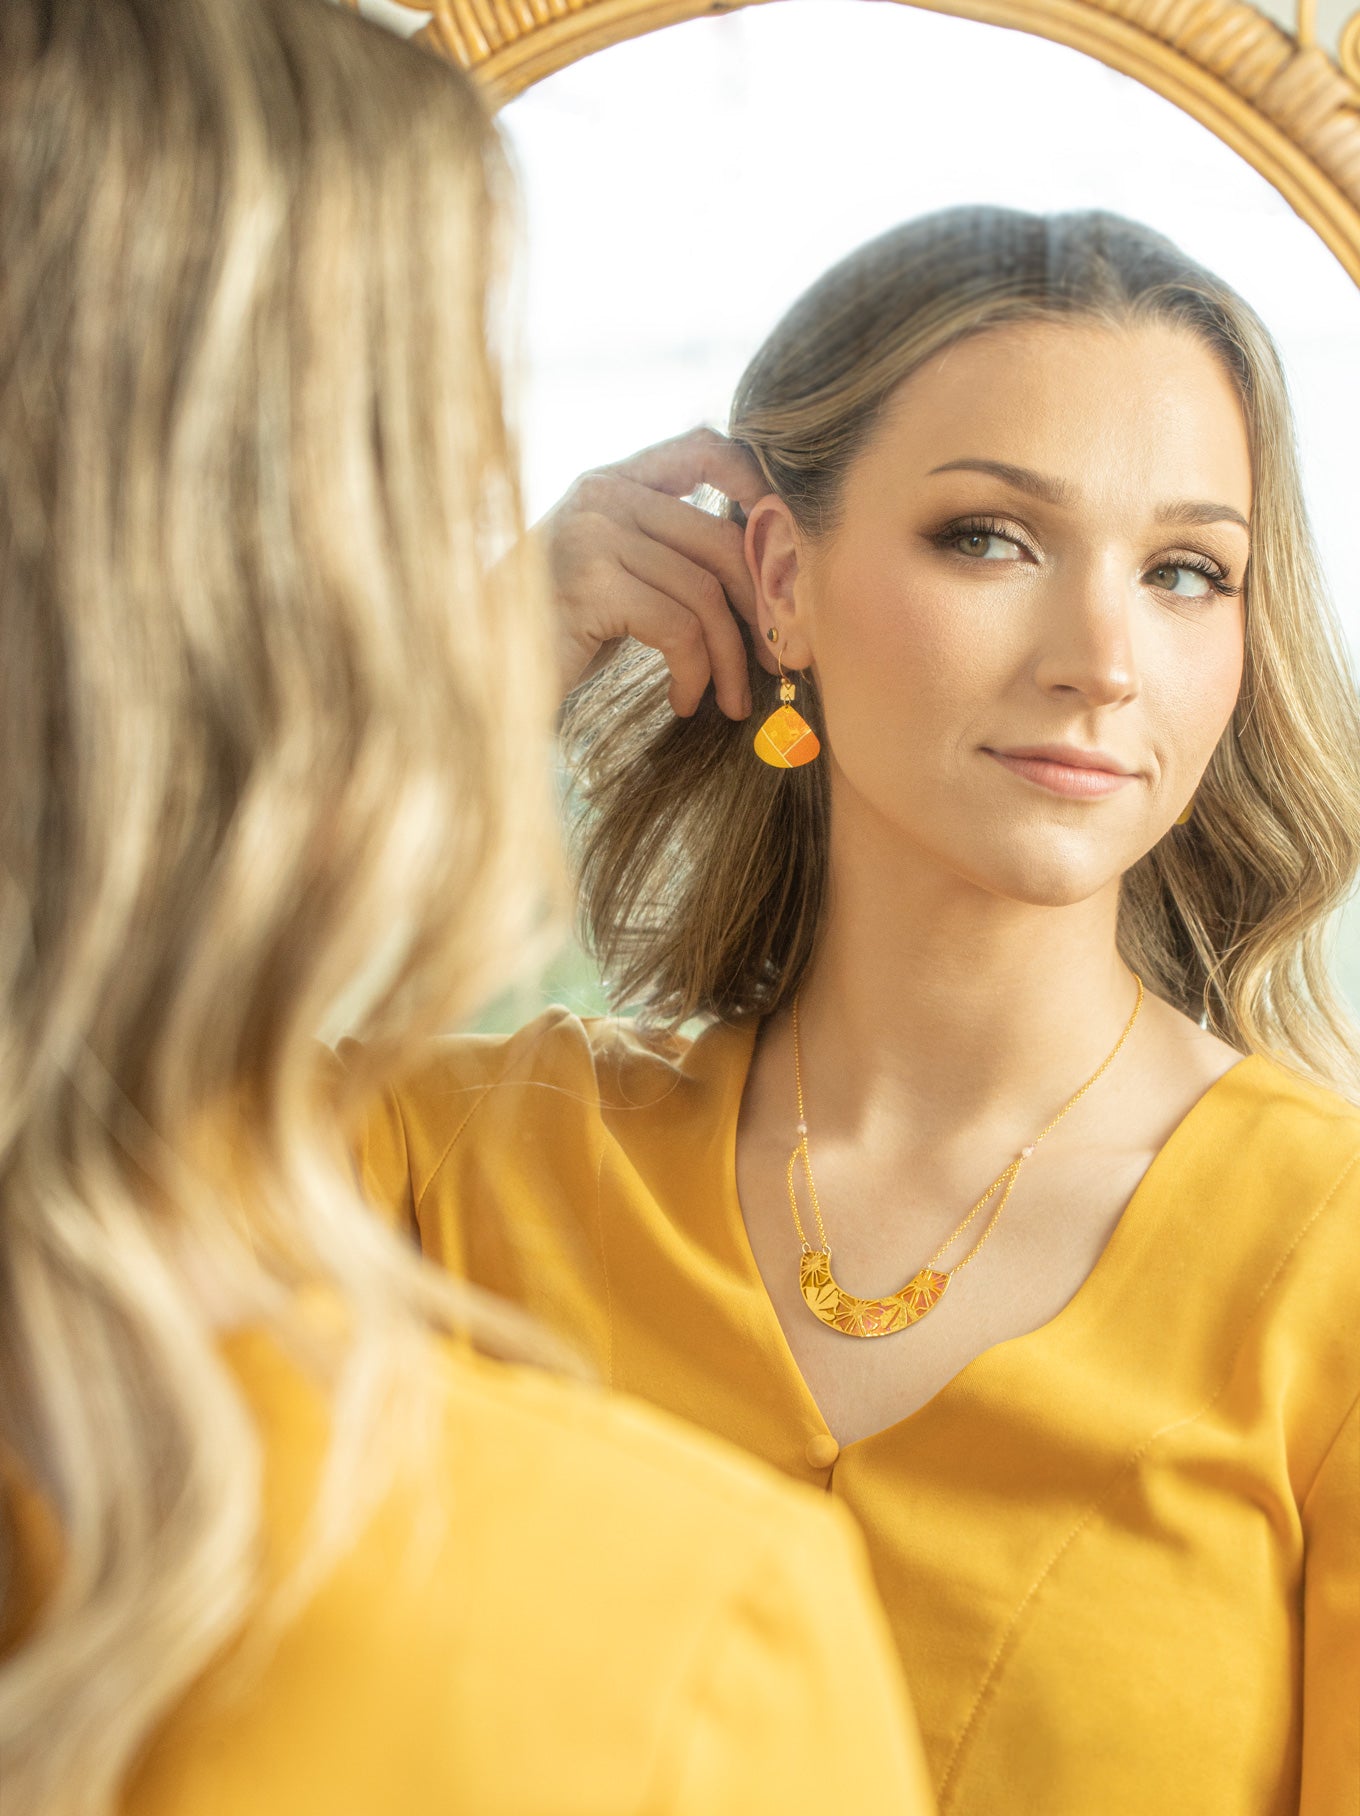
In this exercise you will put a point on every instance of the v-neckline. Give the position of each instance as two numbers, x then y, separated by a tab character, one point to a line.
1146	1198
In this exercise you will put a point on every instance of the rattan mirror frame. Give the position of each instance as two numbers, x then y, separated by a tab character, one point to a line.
1279	100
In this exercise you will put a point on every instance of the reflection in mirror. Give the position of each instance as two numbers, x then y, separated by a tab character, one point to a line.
682	188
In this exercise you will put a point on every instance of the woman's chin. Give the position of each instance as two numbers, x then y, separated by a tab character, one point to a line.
1048	870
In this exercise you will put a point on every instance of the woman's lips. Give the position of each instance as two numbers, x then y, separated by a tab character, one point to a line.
1062	778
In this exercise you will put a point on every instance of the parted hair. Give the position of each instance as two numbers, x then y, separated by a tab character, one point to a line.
261	544
704	872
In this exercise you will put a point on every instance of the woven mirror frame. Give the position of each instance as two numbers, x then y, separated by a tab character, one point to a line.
1281	100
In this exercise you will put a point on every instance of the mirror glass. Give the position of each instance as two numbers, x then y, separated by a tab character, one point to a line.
683	187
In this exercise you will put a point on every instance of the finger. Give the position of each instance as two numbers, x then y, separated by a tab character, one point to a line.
700	591
702	456
654	618
716	544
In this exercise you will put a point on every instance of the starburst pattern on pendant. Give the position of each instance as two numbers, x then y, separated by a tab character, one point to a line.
855	1317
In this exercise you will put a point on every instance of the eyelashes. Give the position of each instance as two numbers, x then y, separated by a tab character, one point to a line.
1200	564
976	526
961	527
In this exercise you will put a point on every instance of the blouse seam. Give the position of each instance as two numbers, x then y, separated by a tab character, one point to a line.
1117	1481
448	1147
1337	1436
604	1264
485	1087
406	1155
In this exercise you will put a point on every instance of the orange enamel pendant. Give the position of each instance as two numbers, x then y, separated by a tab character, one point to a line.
866	1317
786	740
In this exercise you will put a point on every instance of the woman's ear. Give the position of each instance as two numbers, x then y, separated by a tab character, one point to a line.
774	547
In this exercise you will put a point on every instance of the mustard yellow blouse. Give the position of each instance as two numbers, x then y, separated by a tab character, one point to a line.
622	1615
1120	1553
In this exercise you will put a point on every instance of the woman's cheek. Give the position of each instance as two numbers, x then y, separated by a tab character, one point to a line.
901	669
1198	691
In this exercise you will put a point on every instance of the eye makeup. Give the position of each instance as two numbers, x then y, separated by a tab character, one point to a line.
978	526
1199	564
1192	561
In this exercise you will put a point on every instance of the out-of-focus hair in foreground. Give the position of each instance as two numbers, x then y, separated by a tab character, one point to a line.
256	493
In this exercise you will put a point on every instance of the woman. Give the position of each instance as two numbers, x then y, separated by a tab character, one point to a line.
1009	1188
269	1543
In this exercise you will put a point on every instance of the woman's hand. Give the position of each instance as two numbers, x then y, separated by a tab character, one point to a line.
629	558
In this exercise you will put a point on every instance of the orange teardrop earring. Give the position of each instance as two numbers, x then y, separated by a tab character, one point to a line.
785	740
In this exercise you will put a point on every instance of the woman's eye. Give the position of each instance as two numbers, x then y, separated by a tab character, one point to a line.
986	545
1189	582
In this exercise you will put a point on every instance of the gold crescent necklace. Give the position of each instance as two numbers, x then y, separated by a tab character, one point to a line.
880	1317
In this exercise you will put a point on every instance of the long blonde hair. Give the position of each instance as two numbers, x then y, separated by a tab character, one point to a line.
704	872
276	748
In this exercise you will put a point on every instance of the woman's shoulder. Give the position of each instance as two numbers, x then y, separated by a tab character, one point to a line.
553	1440
558	1046
568	1588
1286	1126
549	1086
1272	1158
1268	1175
670	1487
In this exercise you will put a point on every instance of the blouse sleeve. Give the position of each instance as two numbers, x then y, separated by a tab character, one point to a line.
796	1700
408	1131
1331	1630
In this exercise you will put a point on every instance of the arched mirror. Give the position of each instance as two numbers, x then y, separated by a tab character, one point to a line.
687	176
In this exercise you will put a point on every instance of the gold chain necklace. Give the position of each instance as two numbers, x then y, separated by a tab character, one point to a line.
880	1317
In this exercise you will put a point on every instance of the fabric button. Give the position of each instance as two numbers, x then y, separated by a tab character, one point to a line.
822	1451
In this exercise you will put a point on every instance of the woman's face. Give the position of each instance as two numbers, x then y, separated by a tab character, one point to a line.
1043	542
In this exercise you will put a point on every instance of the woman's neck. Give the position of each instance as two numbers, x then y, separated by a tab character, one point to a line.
934	1006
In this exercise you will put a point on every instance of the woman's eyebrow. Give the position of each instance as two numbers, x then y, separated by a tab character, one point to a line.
1052	491
1198	510
1058	492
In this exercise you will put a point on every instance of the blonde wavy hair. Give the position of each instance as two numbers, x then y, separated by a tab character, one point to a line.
262	565
703	871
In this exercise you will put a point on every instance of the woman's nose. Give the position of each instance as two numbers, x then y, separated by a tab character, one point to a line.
1085	644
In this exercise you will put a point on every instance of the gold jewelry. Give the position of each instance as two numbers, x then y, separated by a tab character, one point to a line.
785	740
880	1317
1183	819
